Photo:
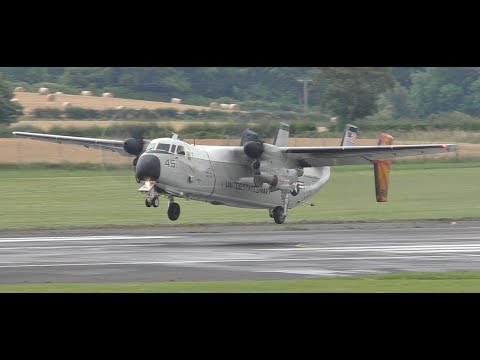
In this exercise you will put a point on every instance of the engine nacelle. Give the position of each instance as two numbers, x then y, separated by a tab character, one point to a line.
253	149
133	146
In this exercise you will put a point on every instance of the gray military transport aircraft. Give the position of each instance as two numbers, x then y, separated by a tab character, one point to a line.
254	174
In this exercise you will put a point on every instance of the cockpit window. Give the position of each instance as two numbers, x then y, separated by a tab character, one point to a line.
151	146
164	147
180	150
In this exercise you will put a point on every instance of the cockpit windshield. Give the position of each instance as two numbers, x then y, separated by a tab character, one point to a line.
158	146
164	147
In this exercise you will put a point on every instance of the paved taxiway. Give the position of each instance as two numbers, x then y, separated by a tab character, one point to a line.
237	252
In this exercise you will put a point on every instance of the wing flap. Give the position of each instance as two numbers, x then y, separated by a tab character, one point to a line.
351	155
105	144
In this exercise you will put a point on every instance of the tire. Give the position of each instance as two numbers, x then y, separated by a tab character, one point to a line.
147	203
278	215
174	211
155	202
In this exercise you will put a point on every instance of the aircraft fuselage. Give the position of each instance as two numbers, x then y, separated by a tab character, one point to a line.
216	175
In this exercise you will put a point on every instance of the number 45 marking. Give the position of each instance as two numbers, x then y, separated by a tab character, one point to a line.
170	163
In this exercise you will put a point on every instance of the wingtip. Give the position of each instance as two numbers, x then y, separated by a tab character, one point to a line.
451	147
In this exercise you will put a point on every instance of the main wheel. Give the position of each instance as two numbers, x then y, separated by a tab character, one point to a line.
173	211
278	215
148	203
155	202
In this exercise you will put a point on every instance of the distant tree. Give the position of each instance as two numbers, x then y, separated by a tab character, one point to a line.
9	111
445	89
351	92
403	74
396	101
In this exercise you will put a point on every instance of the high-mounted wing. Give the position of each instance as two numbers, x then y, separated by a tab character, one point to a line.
350	155
120	146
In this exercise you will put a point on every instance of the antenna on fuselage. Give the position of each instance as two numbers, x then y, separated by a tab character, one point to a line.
174	136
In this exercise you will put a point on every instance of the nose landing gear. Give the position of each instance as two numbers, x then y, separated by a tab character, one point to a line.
151	199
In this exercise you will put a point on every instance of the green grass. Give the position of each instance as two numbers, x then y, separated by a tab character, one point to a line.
448	282
58	198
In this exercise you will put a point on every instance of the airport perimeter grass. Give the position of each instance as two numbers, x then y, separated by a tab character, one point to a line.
448	282
52	198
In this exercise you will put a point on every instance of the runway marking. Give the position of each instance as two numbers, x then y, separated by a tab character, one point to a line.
82	238
181	262
79	246
387	248
323	272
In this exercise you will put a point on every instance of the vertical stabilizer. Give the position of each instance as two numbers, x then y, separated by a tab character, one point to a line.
381	170
349	135
281	138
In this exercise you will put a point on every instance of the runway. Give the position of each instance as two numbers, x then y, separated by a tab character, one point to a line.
237	252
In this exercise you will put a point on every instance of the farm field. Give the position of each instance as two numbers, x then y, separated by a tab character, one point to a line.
26	151
31	101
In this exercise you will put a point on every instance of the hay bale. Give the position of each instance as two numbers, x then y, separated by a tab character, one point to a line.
176	101
107	94
50	97
120	107
235	107
58	93
19	89
66	105
214	105
225	106
86	93
43	91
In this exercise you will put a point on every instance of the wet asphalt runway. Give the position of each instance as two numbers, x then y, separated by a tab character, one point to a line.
237	252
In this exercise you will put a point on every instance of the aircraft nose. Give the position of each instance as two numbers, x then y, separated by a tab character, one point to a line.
148	168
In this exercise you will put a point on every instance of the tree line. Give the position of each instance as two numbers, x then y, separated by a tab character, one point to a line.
348	93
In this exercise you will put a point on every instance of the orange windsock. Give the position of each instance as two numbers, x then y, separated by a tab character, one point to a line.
381	170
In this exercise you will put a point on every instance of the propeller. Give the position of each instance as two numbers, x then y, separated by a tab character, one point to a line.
134	144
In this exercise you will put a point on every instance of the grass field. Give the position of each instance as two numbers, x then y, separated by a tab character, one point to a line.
448	282
69	198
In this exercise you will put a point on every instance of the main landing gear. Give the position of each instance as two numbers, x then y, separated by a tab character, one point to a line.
151	199
279	213
173	209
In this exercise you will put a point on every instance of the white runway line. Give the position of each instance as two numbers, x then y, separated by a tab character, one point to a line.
84	238
187	262
387	248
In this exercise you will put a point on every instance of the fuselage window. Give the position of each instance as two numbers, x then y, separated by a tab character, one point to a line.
164	147
180	150
172	150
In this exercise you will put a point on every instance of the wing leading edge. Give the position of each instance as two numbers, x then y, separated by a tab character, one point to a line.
351	155
106	144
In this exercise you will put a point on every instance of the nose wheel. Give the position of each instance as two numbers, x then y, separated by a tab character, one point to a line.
151	199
